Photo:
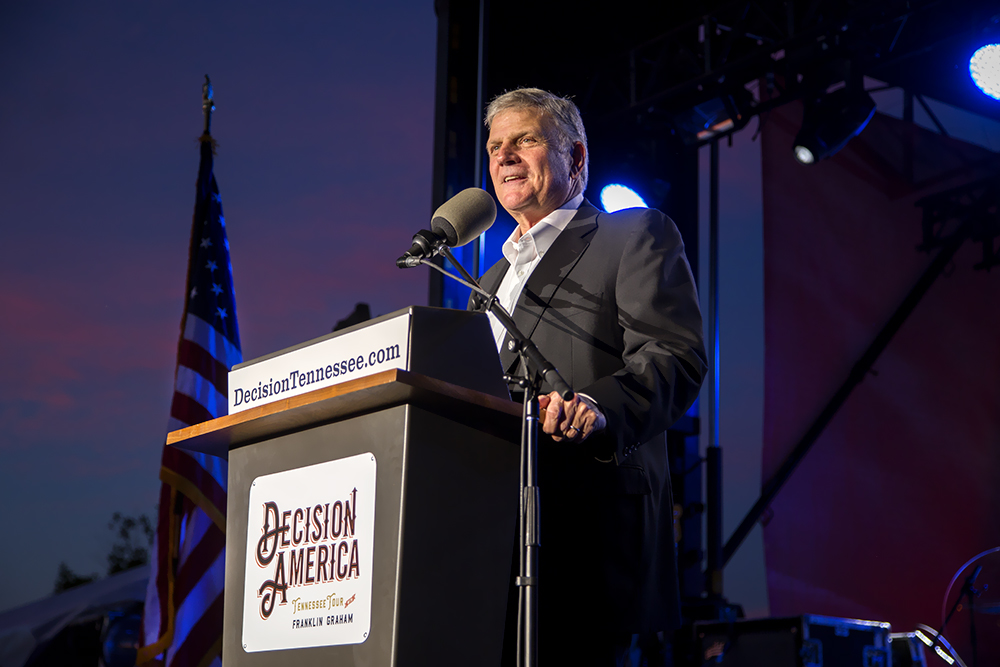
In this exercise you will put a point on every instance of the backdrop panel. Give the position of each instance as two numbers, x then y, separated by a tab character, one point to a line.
901	489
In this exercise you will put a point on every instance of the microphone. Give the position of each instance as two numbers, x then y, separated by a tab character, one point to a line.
456	222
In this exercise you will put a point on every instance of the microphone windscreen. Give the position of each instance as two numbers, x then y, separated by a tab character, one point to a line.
465	216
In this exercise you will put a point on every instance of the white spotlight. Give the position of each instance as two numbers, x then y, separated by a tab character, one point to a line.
616	197
804	155
984	66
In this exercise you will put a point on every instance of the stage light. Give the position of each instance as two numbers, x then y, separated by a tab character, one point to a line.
716	117
616	197
804	155
829	122
984	66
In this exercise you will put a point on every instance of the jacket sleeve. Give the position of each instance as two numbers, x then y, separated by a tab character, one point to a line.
663	347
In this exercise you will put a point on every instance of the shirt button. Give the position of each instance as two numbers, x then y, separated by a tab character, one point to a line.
520	273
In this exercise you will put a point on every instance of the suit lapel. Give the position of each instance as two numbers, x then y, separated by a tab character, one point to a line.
490	282
545	280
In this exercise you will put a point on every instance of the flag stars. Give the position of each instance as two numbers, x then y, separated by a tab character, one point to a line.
222	313
216	289
206	242
217	197
211	266
194	292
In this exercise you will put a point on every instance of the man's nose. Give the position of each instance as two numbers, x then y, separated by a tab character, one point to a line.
505	154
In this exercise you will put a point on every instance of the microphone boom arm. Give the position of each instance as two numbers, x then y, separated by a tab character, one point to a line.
417	261
522	343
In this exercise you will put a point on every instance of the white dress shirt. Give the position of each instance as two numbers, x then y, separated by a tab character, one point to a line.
524	251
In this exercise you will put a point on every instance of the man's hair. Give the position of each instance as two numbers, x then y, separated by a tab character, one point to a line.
560	109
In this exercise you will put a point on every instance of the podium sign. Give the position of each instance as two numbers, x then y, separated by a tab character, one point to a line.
310	539
417	339
326	361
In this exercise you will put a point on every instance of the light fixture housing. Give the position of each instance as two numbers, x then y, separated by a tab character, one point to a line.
830	121
723	114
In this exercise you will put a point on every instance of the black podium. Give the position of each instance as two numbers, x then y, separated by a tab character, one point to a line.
370	522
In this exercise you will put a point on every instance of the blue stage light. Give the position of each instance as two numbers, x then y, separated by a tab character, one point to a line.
984	66
615	197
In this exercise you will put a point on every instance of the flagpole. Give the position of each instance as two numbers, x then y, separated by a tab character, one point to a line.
207	105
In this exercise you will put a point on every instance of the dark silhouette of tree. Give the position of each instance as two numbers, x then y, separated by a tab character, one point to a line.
135	538
67	578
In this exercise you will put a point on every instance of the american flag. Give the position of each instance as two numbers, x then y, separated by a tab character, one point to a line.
182	622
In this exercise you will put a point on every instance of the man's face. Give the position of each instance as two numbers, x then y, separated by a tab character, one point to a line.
532	173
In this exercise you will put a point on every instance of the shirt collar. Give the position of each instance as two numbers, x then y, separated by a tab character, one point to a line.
536	241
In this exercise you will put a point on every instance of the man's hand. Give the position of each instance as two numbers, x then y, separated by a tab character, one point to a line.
572	420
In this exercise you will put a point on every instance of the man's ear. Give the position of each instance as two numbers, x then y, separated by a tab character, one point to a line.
578	156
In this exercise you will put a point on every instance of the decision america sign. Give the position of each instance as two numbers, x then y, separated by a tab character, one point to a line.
309	556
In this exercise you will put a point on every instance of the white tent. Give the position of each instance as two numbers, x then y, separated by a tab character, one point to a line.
25	628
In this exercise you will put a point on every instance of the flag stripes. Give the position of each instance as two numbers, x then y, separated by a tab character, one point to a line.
209	338
200	572
182	623
198	360
195	386
187	411
200	645
207	549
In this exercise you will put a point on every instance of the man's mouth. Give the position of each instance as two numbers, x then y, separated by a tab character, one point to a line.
508	179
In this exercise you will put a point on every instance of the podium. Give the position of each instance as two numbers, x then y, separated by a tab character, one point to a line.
371	521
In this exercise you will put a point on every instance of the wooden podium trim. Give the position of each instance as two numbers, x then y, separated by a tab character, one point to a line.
372	392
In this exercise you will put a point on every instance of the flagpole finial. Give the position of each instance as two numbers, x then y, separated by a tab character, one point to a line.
207	103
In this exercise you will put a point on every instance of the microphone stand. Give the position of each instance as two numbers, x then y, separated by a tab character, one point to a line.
536	367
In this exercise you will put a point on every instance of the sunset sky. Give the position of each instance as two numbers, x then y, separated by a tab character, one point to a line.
324	121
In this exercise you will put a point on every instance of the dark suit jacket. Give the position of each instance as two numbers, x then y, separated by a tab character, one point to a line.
613	306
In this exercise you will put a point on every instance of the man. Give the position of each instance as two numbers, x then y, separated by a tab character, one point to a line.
610	301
